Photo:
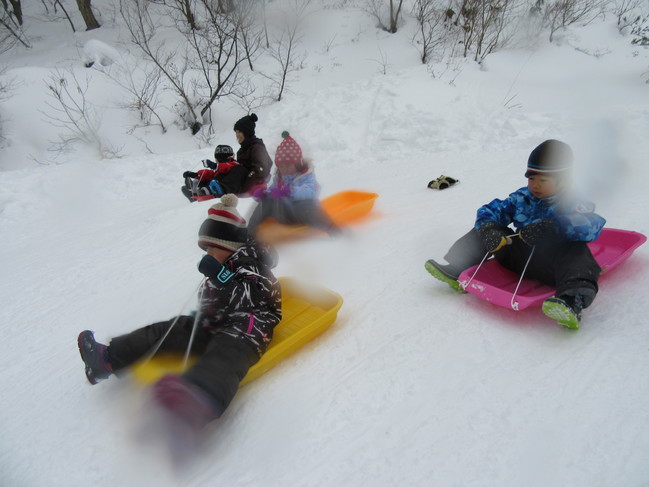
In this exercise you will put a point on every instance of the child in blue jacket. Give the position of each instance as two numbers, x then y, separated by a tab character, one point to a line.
292	198
547	219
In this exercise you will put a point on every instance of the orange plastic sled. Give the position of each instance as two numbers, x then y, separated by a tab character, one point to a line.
344	208
307	311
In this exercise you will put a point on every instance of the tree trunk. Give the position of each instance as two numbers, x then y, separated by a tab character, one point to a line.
88	16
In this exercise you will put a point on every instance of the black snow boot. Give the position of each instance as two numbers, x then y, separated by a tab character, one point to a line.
187	193
95	356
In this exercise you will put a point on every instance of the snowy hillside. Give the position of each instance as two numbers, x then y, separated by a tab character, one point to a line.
414	385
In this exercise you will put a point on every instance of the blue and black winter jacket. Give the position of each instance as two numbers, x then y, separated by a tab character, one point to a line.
576	220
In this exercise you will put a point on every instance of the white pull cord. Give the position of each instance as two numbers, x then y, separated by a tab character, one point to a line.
464	284
191	337
155	349
514	304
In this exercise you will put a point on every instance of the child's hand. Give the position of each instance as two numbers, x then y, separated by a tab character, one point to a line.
280	192
494	237
259	193
190	174
210	164
534	233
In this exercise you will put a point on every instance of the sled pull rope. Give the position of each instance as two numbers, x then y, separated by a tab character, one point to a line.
514	304
466	285
194	326
157	346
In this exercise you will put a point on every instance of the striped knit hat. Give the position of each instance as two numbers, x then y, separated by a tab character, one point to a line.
224	227
551	157
288	152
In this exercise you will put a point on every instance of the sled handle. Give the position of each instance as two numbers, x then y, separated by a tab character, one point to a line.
465	285
157	346
514	304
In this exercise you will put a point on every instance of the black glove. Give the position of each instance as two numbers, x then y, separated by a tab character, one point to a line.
494	237
189	174
210	164
542	231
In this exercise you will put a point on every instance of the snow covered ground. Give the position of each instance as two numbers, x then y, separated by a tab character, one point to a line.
414	384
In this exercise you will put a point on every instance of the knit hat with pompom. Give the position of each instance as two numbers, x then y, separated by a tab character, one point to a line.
224	227
288	151
246	125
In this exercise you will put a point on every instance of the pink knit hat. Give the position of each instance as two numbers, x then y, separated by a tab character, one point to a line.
288	152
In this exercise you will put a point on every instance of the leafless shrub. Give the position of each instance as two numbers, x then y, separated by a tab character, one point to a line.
143	83
248	16
382	62
285	38
171	62
387	16
74	114
433	27
559	14
482	24
11	32
626	12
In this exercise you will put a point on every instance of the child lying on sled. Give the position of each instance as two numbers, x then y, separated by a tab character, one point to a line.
240	305
292	198
197	183
550	225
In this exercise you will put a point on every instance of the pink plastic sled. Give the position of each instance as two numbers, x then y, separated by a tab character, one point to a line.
497	285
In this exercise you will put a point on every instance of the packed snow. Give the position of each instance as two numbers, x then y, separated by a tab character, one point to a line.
414	384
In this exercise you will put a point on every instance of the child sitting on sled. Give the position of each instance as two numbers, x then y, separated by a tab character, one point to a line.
550	225
239	306
292	198
197	183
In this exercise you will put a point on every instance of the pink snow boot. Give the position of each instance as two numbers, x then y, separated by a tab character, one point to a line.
185	401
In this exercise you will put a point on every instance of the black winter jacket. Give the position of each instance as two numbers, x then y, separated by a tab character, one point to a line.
242	298
254	157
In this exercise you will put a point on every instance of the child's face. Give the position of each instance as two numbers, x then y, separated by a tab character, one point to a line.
219	254
287	169
543	186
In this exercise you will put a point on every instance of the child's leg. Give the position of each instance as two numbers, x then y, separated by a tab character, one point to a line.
577	272
221	367
127	349
467	251
265	209
310	212
568	266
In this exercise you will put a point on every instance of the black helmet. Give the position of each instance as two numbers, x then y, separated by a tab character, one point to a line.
223	152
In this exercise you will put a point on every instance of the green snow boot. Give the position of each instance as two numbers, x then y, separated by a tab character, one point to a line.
445	273
565	310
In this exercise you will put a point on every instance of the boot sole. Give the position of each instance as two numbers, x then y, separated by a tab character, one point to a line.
561	313
440	276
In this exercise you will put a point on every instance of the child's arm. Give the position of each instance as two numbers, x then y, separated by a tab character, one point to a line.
498	212
205	175
305	188
582	224
224	167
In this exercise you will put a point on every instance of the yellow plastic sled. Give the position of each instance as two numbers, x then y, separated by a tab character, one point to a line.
307	311
344	208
